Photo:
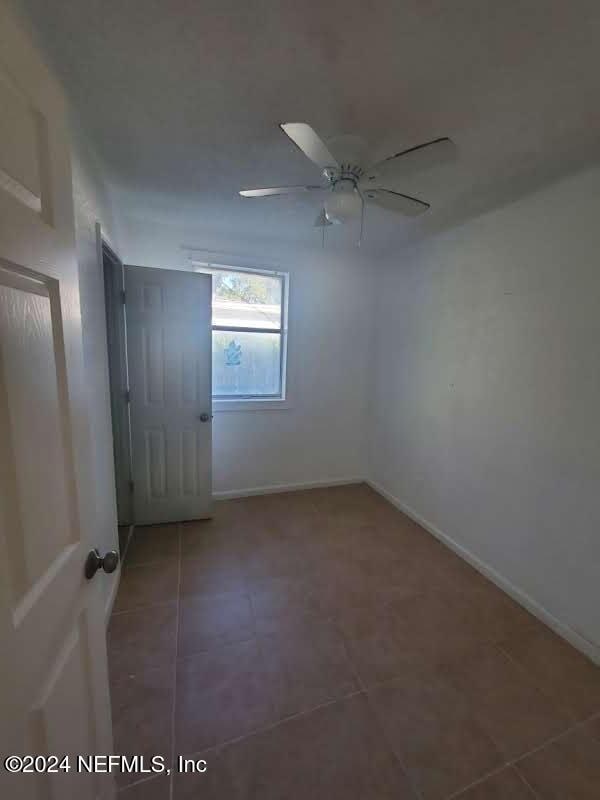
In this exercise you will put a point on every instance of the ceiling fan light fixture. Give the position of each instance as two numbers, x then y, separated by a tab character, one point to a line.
347	182
343	203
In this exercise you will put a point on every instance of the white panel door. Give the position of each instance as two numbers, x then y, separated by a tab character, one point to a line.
53	675
170	382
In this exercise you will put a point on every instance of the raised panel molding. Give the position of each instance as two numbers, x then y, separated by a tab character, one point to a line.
156	459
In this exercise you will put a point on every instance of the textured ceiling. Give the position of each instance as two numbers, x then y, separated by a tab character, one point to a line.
182	98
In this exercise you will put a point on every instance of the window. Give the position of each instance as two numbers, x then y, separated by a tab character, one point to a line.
248	333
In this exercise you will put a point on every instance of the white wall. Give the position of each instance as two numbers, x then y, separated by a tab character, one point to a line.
92	205
322	437
486	400
482	380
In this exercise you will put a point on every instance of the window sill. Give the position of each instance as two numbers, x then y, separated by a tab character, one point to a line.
250	405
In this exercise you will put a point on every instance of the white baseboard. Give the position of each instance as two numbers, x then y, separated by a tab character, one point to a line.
588	648
284	487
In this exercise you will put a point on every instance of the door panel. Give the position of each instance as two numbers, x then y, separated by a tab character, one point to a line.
169	354
53	682
30	358
63	695
19	143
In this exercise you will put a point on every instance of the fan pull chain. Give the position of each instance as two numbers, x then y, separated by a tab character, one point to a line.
362	217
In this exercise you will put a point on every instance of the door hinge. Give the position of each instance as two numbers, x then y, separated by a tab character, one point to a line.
127	394
131	487
123	296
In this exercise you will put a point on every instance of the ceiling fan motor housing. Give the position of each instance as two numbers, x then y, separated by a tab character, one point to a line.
344	202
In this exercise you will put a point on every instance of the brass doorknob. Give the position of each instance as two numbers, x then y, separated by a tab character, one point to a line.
95	561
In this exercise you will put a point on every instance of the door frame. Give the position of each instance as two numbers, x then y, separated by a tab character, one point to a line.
116	343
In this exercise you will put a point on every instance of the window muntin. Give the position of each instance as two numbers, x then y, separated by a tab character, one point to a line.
248	333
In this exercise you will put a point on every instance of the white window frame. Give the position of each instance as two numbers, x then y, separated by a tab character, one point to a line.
255	402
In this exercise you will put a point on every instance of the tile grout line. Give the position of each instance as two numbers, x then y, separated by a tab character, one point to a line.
534	794
571	729
533	681
510	761
173	710
275	723
272	725
507	762
478	781
144	607
594	718
365	691
514	762
482	723
115	613
411	782
145	779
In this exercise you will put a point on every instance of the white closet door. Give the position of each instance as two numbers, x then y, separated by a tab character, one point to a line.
169	353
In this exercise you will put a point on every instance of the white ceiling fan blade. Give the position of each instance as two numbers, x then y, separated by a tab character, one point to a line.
322	221
310	143
279	190
421	157
394	201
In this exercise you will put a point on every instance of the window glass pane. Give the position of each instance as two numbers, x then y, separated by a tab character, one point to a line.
245	299
246	363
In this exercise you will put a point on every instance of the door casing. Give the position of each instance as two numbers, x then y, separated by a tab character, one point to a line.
116	339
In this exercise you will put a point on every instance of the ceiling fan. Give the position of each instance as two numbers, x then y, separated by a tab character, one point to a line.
347	185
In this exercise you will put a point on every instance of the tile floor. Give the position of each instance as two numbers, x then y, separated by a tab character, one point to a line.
321	645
